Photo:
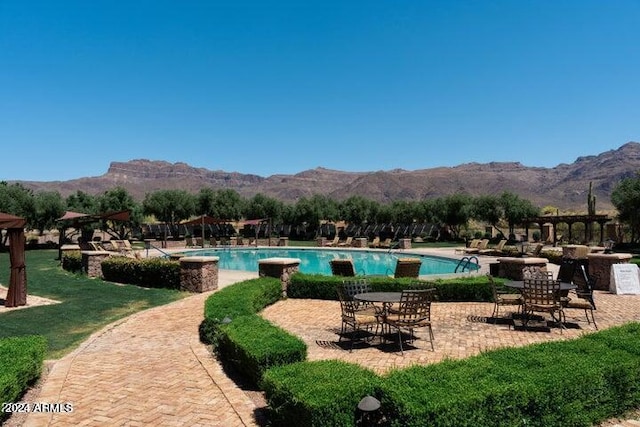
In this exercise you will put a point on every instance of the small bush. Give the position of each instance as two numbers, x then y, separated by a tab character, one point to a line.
72	261
21	360
322	393
315	286
149	272
244	341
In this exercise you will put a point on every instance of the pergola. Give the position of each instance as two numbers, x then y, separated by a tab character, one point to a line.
17	293
554	220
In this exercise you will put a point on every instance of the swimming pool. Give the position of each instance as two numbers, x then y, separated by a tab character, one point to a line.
316	261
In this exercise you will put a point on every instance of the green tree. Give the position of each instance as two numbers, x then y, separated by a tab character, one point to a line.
516	209
82	202
626	198
309	212
17	200
454	211
487	209
49	206
170	206
358	210
261	206
220	204
118	199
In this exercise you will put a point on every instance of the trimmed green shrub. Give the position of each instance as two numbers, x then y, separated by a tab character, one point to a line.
149	272
322	393
244	298
72	261
315	286
243	340
21	360
252	345
578	383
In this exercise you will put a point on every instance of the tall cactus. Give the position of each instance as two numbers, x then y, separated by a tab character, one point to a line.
591	201
591	210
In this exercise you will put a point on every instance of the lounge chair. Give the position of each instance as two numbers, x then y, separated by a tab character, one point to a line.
481	246
333	242
375	243
385	244
342	267
348	242
407	267
497	250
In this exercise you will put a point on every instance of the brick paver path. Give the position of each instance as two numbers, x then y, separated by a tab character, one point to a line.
151	369
148	369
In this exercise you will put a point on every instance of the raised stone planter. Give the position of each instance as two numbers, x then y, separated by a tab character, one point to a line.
199	274
404	244
360	242
575	251
511	267
600	267
92	262
281	268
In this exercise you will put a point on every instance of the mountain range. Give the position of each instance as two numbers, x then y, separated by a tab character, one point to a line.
564	186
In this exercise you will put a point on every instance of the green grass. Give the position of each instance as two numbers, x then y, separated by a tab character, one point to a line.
86	304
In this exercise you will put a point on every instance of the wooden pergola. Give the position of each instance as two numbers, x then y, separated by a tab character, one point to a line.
554	220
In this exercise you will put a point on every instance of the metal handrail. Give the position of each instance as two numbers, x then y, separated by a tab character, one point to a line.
465	262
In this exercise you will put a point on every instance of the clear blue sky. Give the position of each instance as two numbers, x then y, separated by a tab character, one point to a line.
269	87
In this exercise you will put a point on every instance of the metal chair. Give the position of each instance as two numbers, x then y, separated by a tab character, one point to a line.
413	312
503	298
542	295
584	295
356	317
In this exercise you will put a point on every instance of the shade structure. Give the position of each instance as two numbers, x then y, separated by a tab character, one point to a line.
17	293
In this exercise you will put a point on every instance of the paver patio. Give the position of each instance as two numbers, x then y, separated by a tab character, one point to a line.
151	369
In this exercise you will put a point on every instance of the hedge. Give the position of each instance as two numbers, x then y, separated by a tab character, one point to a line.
321	393
243	340
470	288
72	261
578	383
148	272
21	360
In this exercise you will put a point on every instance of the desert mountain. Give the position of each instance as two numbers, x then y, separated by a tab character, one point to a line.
564	186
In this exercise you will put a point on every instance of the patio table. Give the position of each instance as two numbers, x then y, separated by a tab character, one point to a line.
386	298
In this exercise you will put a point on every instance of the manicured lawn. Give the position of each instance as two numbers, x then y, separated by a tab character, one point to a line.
86	304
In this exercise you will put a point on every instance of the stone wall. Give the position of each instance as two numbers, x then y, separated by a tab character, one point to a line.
281	268
92	262
512	267
199	274
600	267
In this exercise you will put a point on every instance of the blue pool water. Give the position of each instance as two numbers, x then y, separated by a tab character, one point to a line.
314	261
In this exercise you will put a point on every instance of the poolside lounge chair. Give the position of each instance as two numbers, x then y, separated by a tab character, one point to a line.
385	244
342	267
333	242
375	243
481	246
347	242
497	250
408	267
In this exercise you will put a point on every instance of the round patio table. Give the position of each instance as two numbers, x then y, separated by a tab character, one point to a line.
519	284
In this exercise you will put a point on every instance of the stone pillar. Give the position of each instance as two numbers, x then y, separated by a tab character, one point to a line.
360	242
600	267
404	244
92	262
575	251
283	241
199	273
321	241
512	267
281	268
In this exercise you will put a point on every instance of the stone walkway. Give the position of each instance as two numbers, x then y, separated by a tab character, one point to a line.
151	369
147	369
